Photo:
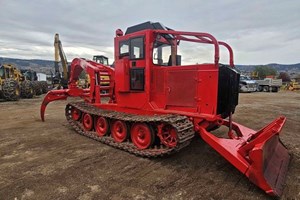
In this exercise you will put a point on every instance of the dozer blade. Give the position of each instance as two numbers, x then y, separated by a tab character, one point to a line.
270	165
260	155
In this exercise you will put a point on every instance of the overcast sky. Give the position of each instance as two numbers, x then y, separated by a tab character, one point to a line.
259	31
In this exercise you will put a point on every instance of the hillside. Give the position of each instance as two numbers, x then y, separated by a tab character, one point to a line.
42	66
46	66
291	68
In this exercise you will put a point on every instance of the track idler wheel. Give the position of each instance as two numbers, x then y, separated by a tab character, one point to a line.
87	122
76	114
142	135
168	135
101	126
119	131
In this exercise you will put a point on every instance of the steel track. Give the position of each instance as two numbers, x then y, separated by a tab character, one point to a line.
184	128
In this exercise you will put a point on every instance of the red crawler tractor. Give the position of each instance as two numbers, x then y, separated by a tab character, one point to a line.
155	104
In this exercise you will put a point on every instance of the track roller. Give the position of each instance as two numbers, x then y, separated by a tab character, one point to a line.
87	122
101	126
142	135
76	114
119	131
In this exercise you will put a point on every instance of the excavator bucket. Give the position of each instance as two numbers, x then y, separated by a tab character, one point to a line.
260	155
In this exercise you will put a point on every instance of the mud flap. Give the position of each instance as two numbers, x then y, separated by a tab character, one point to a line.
260	155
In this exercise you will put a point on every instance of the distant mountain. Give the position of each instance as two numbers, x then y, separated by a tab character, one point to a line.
46	66
290	68
42	66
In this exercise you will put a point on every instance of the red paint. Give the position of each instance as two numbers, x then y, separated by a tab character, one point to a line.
259	155
87	122
76	114
167	135
101	126
191	91
119	131
141	135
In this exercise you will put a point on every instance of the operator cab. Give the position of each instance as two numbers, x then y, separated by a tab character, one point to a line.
130	54
29	75
101	59
2	71
154	68
7	71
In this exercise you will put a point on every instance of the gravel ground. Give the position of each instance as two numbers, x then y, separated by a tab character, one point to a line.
50	161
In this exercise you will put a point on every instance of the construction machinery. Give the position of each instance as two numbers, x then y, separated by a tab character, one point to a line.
293	86
155	104
39	87
9	82
17	83
60	80
269	84
101	59
254	75
13	84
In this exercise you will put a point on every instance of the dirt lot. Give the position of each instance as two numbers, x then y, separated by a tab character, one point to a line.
50	161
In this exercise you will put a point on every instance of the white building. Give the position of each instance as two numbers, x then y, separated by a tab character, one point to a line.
41	77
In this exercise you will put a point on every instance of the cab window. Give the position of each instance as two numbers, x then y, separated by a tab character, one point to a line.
124	48
1	72
161	53
137	48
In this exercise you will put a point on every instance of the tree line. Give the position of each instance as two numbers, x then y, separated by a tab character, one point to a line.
264	71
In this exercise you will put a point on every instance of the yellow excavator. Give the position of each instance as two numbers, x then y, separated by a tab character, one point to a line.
60	80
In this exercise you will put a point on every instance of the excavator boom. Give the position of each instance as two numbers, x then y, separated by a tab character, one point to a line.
60	57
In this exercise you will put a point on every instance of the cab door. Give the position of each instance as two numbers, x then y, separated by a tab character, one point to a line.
131	73
137	64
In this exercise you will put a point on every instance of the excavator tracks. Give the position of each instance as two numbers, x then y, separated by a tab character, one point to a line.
184	129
